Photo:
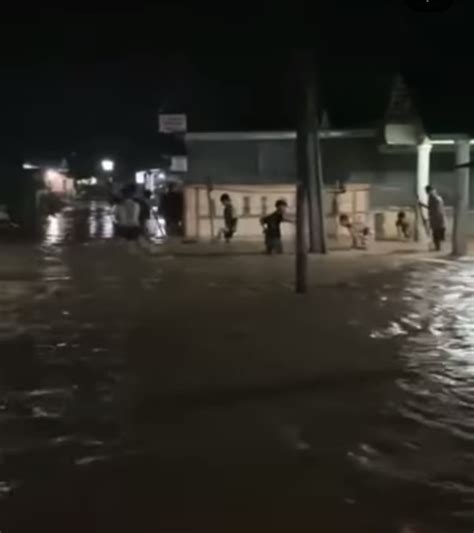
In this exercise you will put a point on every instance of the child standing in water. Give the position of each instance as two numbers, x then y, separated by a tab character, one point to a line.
230	219
271	224
402	225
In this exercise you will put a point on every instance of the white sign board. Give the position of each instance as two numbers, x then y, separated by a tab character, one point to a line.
172	123
179	164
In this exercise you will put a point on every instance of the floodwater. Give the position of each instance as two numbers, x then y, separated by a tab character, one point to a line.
147	393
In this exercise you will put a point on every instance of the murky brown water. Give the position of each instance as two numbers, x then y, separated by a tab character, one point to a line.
176	394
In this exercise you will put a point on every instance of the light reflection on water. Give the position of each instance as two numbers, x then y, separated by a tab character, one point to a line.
412	431
94	221
91	222
433	408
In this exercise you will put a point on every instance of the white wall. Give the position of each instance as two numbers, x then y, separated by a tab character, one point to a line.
196	206
355	202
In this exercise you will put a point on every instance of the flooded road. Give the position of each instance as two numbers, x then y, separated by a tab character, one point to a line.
145	392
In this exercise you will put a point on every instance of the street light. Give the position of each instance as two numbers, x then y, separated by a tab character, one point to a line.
107	165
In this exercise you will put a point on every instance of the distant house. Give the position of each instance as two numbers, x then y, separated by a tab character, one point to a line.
18	190
52	175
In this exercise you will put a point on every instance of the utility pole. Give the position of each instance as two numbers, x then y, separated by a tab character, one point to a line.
210	206
302	166
315	190
301	285
320	188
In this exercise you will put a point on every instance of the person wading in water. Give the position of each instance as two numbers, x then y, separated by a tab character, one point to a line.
436	216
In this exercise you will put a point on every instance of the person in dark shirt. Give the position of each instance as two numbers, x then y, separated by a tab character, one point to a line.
271	224
230	219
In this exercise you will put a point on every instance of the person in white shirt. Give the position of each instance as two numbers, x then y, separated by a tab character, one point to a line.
358	231
128	215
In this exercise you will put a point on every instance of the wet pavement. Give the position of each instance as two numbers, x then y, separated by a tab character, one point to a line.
153	392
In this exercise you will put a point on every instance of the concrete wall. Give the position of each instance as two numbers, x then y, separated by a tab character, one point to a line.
254	201
390	176
250	202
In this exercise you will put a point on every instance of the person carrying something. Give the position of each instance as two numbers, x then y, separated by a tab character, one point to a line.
271	224
402	225
358	232
230	219
436	216
128	215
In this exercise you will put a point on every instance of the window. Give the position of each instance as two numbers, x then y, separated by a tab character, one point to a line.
246	205
264	205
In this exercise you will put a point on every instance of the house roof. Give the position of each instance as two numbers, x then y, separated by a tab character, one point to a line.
276	135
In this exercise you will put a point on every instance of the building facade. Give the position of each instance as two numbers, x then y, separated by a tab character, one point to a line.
263	163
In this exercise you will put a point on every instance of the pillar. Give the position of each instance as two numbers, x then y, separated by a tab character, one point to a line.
461	206
422	180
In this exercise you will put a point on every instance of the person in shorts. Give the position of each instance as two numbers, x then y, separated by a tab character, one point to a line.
230	219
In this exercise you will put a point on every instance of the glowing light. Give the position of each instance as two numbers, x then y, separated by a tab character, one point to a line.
29	166
107	165
51	174
161	176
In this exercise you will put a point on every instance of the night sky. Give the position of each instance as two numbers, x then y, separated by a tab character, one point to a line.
78	78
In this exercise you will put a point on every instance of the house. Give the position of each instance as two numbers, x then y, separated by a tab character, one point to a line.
384	168
52	175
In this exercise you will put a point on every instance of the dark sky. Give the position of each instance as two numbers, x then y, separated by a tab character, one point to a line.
72	78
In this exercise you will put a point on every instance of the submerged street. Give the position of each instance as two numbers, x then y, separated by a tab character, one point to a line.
146	391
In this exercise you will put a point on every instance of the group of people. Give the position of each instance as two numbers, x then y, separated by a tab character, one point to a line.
271	224
435	225
132	213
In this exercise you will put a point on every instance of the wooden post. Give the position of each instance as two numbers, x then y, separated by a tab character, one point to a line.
320	193
301	285
312	189
301	282
210	207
